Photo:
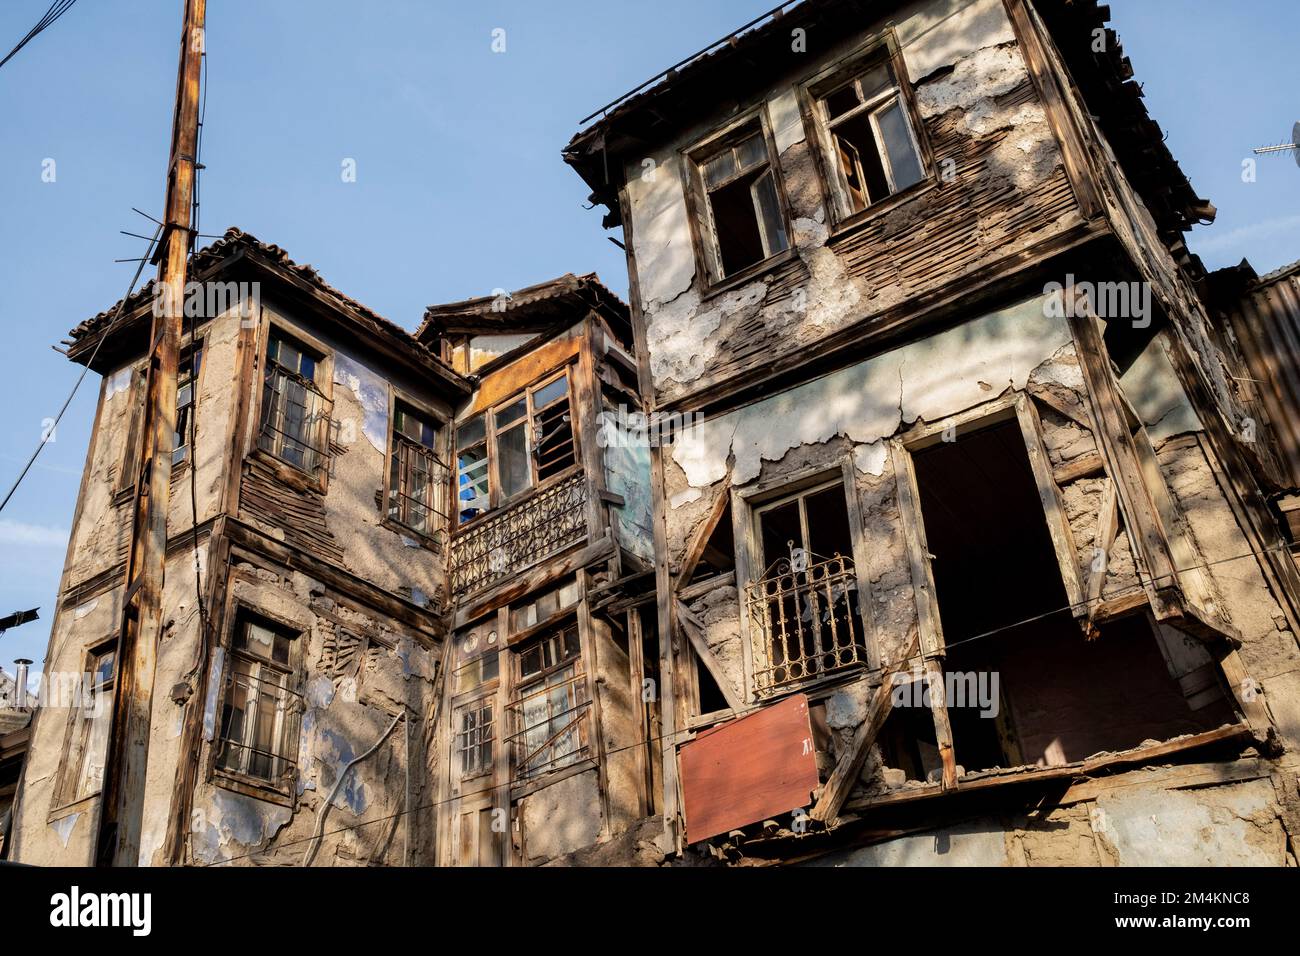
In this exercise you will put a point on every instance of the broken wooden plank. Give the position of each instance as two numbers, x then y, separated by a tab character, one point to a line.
849	765
1107	528
694	629
700	540
1085	466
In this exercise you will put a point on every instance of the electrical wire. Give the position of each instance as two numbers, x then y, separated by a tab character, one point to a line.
56	10
896	665
49	433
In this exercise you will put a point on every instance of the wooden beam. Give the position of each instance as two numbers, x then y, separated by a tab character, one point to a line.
1107	528
694	629
700	540
1085	466
845	775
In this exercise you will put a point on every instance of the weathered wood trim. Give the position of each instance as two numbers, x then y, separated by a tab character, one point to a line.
694	629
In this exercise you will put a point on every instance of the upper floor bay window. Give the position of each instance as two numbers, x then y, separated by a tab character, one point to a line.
295	413
416	477
868	134
740	209
517	444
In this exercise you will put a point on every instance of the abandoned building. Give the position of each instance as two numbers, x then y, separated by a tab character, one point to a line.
967	538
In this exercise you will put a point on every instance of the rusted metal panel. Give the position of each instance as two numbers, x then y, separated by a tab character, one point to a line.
760	766
1267	325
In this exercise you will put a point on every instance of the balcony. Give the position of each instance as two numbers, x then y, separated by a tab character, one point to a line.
499	545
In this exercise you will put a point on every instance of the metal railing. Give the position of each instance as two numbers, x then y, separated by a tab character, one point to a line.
804	622
499	545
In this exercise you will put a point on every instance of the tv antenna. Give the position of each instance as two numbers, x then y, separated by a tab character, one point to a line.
1293	146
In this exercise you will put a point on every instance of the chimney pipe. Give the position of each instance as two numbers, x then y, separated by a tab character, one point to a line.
20	693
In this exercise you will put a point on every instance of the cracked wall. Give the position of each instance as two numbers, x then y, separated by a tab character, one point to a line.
993	151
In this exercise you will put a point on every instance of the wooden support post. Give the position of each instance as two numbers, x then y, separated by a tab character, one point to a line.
694	629
122	799
836	789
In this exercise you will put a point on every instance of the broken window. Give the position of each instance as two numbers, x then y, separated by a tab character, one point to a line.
259	717
1023	683
295	415
416	476
550	704
743	220
871	138
520	443
475	726
187	377
804	608
87	748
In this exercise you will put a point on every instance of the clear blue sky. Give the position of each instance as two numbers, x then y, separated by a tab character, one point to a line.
460	187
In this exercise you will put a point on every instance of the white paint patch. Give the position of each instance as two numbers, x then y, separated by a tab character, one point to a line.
684	498
931	378
661	233
787	121
119	381
372	394
870	459
934	35
64	826
84	609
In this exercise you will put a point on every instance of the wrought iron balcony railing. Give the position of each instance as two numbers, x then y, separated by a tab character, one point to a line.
804	622
501	544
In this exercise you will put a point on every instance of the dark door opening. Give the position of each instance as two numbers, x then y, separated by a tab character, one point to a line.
1029	688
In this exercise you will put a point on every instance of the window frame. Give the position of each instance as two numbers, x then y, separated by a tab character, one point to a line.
491	434
708	254
283	791
323	383
746	505
196	351
880	50
579	700
440	487
65	798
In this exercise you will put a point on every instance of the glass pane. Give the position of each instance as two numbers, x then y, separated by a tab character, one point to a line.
550	392
875	81
769	211
472	482
104	669
781	532
572	647
513	468
470	432
752	151
530	660
719	169
903	160
512	413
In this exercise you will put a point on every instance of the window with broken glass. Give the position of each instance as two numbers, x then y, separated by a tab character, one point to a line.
187	378
870	135
87	747
261	708
742	215
475	725
519	443
295	412
550	705
416	476
803	611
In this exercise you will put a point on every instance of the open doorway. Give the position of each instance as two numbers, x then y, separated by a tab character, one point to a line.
1026	687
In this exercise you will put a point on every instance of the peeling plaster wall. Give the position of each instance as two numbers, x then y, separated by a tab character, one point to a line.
351	516
988	132
1131	825
360	671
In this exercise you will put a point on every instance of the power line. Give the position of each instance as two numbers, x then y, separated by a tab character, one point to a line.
49	433
892	666
57	9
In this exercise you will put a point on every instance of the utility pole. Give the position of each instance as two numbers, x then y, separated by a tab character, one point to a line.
122	799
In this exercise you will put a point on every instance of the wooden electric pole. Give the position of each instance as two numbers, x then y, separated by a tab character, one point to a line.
122	799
